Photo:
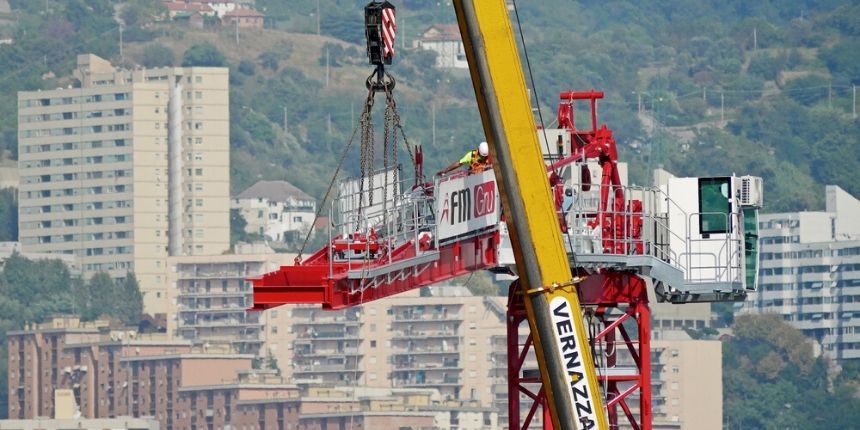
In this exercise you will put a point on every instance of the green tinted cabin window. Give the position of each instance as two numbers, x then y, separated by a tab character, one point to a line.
751	246
714	205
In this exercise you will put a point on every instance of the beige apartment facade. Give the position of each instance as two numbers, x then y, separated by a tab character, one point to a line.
441	339
127	169
209	298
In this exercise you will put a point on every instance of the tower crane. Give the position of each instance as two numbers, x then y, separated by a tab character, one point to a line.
599	257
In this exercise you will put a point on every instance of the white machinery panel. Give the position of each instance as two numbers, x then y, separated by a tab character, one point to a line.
467	203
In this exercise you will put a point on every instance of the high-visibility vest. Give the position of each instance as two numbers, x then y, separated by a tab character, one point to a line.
478	164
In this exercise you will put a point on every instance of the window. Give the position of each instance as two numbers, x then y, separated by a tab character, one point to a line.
714	205
198	94
198	140
198	172
198	203
373	344
274	329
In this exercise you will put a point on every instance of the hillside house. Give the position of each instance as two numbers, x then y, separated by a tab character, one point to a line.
444	39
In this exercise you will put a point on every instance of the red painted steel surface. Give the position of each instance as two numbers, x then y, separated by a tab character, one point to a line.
315	281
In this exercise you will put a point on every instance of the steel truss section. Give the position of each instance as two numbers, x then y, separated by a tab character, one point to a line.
617	305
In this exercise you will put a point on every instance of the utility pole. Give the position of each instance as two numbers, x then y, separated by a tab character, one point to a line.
285	120
830	95
318	17
120	42
854	101
237	29
722	108
433	121
326	67
704	93
639	103
755	39
328	120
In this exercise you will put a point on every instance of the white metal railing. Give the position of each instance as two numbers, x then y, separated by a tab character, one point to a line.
701	258
399	211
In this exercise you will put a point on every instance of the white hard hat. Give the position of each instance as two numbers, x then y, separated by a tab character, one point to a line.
483	149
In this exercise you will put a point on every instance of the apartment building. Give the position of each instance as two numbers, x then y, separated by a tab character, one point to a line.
686	383
123	373
104	373
809	272
66	353
209	297
439	338
276	210
127	169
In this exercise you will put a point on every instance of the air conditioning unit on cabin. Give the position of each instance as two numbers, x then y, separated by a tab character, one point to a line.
750	193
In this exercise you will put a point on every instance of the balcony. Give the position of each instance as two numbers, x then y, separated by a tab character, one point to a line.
326	368
447	365
327	336
424	334
327	322
420	351
419	382
426	317
229	293
312	352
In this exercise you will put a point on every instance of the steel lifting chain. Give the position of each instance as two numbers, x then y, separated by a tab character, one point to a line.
366	161
343	155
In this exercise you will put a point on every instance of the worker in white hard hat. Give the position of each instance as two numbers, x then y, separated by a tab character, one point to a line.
477	160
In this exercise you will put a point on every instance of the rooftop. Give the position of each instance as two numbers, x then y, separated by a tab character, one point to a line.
246	13
441	32
279	191
176	6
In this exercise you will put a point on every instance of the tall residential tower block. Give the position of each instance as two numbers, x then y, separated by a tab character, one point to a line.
127	169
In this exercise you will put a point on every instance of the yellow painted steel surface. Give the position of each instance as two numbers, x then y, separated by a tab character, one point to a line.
530	177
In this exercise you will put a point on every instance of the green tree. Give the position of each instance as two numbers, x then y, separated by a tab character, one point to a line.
128	301
95	297
247	67
772	379
203	54
269	60
8	215
157	55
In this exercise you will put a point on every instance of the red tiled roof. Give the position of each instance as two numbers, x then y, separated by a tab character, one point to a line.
442	32
175	6
244	13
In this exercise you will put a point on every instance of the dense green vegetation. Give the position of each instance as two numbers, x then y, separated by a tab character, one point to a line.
772	380
780	72
32	291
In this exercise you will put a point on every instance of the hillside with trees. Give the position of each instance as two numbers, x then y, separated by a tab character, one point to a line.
701	88
779	73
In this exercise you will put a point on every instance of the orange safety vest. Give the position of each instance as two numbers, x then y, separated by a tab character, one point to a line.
478	164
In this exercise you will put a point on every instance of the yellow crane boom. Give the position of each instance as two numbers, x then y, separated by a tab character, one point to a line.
564	357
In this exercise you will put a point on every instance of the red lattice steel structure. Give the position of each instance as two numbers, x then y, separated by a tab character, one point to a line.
341	284
614	298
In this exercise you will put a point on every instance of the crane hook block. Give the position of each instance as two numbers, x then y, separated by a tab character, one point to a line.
379	29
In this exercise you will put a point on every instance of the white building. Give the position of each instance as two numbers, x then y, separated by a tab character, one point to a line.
277	210
444	39
809	273
221	7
